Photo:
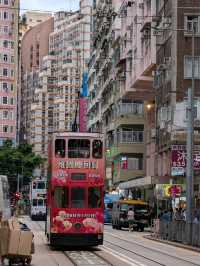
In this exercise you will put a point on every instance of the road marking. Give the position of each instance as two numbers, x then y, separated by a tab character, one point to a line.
122	257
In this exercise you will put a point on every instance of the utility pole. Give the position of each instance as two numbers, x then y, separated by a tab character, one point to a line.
190	145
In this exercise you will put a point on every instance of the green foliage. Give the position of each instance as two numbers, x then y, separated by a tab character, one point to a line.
18	160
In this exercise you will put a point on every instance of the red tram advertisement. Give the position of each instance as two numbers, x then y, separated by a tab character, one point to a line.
76	189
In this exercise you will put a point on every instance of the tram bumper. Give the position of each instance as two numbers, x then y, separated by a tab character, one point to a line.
78	240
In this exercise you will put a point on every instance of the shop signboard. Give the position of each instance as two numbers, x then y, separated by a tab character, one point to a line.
163	191
179	159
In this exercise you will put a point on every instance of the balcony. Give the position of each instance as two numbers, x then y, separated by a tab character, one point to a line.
127	142
130	113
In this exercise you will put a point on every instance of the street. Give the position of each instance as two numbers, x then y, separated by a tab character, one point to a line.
120	248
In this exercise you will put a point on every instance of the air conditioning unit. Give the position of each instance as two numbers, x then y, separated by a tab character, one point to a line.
167	21
167	60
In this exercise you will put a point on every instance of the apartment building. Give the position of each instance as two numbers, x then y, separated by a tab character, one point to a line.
173	77
70	44
35	45
121	86
9	18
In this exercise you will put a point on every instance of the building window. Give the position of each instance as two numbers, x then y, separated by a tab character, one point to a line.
11	87
188	67
5	44
11	129
12	72
5	86
5	58
12	59
5	29
5	2
5	15
11	100
5	100
5	114
5	129
5	72
192	23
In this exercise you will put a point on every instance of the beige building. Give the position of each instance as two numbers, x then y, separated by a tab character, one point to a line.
35	45
32	18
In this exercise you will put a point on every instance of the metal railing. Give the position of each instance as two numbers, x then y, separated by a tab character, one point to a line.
130	137
131	108
178	231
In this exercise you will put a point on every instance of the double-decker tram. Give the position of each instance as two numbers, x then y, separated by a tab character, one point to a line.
75	214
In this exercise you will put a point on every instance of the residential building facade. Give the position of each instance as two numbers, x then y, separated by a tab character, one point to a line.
70	44
179	20
120	85
9	18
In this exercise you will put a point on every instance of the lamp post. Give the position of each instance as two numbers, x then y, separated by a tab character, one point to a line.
190	145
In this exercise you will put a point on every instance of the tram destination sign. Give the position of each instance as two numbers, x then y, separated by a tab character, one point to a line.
77	164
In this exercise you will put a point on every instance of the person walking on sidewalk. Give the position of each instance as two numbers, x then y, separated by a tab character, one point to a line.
131	217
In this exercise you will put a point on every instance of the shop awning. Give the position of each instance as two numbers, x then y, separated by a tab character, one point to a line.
139	182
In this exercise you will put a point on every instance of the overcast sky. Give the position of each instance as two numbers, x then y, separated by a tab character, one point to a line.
49	5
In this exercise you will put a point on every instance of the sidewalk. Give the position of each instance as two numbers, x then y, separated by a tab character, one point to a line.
172	243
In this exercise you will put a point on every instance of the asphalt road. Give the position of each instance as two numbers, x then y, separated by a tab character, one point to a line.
121	248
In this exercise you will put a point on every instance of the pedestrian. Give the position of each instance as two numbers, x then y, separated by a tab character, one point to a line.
166	217
131	217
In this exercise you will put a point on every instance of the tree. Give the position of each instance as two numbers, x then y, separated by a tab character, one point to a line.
18	160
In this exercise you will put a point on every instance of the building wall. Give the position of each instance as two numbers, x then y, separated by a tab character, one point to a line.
35	45
8	69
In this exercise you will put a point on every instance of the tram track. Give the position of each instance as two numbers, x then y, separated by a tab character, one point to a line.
157	251
76	257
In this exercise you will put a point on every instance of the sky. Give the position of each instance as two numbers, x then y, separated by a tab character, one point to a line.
49	5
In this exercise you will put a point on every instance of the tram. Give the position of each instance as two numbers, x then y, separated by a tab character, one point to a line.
75	205
4	197
38	194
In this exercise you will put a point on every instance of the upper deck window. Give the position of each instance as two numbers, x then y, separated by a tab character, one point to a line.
97	149
60	147
79	148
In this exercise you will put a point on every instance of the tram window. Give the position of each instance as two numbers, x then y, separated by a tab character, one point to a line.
97	149
40	185
40	202
60	148
78	197
61	197
79	148
34	202
94	197
78	176
34	185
